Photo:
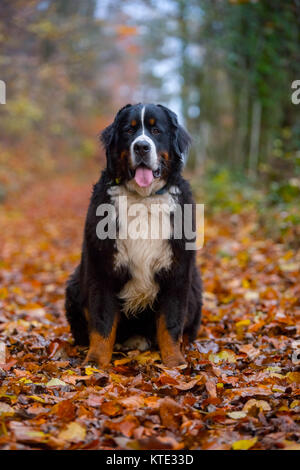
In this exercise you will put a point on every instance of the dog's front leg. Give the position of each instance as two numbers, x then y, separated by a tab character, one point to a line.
172	312
169	338
103	316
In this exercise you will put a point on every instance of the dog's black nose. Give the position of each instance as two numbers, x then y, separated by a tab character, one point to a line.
141	148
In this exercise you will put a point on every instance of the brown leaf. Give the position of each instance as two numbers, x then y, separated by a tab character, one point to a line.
250	350
95	400
111	408
169	412
133	402
211	388
27	435
64	410
157	443
74	432
125	426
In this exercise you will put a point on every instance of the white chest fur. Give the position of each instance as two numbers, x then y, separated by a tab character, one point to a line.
143	254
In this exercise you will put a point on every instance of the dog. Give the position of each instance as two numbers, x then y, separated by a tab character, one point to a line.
141	286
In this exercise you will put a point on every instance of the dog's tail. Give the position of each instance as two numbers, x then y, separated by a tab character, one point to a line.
74	310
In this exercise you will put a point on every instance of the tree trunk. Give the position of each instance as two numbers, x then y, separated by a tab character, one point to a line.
254	138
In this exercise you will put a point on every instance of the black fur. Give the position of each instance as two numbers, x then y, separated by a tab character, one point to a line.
94	285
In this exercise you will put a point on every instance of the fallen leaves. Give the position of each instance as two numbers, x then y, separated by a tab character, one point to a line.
26	435
260	405
250	350
125	425
74	432
169	411
211	388
224	355
244	444
6	410
293	377
2	353
64	410
55	383
239	389
111	408
237	414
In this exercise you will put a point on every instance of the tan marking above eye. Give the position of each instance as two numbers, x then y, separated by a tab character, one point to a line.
151	121
133	123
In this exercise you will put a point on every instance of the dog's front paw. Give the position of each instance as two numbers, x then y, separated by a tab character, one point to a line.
100	350
173	360
96	359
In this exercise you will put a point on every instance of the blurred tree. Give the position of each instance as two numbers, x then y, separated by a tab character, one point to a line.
61	64
230	65
225	65
261	43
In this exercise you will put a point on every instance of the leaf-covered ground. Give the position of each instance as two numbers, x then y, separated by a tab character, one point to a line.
240	389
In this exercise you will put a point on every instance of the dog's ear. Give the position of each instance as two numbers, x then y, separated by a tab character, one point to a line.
107	137
180	138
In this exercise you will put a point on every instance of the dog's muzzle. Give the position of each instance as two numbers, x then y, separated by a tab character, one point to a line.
141	150
144	161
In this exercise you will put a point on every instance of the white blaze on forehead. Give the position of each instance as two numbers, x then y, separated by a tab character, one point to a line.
153	158
142	118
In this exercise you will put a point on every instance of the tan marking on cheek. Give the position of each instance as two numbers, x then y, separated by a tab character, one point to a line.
151	121
101	348
133	123
124	154
165	155
169	349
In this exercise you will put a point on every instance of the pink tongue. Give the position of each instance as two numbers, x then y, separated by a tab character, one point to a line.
143	176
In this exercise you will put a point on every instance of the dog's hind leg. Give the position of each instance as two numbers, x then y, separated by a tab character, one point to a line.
74	310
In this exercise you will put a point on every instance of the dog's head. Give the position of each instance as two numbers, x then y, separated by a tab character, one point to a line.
145	147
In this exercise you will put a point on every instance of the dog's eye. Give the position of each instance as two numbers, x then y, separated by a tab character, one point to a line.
130	131
155	131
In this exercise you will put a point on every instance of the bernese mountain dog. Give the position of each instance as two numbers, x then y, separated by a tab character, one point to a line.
128	287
